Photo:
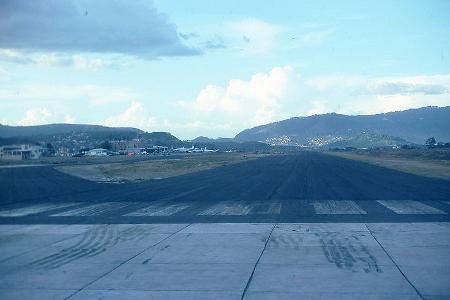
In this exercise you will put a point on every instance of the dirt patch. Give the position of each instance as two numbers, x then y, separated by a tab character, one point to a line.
156	168
433	163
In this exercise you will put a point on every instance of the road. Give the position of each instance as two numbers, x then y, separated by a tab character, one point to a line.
305	187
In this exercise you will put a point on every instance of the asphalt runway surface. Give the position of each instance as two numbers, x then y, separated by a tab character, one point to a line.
303	187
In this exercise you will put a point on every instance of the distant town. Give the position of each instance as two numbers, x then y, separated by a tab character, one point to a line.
82	148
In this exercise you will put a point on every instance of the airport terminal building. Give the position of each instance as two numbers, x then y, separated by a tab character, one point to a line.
21	152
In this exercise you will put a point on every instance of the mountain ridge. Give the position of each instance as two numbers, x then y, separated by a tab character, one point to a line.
412	125
7	131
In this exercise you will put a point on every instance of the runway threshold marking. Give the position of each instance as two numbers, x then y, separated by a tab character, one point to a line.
94	210
337	207
158	210
227	209
410	207
266	209
35	209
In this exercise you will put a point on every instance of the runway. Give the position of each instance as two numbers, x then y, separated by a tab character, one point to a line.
305	187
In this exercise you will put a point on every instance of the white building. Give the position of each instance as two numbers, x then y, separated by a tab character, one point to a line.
97	152
21	152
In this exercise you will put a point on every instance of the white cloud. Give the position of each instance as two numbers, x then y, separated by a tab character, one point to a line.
423	84
318	107
368	95
253	102
255	36
4	75
35	116
79	62
388	103
14	56
76	61
69	119
134	116
94	94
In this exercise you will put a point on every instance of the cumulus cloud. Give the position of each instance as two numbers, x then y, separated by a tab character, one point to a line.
35	116
393	88
369	95
426	84
253	102
105	26
134	116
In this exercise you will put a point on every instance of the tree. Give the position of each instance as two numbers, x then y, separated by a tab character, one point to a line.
106	145
50	149
430	142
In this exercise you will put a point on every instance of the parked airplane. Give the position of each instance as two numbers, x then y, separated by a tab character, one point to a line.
183	149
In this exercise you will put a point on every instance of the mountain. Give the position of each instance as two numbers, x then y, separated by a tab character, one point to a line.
413	125
202	140
13	140
52	129
161	139
367	140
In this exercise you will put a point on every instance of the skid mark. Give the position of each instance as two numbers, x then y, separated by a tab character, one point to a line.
337	207
343	250
35	209
409	207
93	243
158	210
347	252
291	241
94	210
228	209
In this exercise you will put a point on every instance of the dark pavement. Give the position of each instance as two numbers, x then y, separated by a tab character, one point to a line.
307	186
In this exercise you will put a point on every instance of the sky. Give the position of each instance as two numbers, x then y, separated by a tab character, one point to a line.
213	68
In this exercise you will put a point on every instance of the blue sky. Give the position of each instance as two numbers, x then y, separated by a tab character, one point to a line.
214	68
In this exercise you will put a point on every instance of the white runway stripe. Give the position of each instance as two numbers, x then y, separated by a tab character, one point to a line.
94	210
227	209
337	207
158	210
406	207
34	209
266	209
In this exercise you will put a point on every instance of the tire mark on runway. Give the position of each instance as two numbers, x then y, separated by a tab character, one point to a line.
93	242
346	252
